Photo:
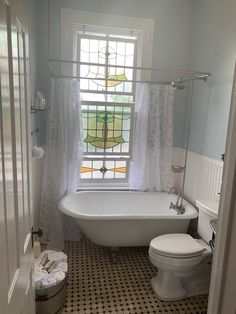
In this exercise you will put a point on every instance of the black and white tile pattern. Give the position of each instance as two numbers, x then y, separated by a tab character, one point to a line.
97	285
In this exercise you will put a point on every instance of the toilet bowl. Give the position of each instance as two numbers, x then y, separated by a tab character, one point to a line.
183	263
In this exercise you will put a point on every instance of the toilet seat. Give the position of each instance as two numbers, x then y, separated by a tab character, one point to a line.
176	246
175	256
175	262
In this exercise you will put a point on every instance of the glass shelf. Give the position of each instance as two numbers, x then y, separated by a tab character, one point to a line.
35	109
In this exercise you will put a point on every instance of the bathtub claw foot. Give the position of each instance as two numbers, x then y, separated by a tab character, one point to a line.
114	255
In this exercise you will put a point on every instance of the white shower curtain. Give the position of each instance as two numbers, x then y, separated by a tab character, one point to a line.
150	168
63	159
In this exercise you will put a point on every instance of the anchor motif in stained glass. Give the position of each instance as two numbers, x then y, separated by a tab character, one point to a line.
105	130
110	80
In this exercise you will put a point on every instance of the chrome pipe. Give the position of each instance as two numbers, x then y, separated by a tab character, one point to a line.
175	85
187	144
185	72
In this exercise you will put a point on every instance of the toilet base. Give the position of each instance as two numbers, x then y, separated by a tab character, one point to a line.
171	287
168	288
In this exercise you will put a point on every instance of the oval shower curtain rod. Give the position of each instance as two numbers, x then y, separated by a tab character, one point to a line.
195	75
187	72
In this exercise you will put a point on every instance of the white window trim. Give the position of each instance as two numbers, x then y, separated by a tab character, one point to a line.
71	19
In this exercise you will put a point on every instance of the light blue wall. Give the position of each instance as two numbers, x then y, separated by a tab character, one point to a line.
171	47
213	50
172	35
188	34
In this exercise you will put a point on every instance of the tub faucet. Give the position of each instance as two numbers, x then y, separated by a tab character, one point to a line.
178	208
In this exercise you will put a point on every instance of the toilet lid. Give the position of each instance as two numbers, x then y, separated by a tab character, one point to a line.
176	245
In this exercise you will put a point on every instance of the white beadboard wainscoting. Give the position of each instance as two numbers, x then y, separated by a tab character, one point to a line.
203	175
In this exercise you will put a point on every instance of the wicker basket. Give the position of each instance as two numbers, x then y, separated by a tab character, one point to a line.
51	300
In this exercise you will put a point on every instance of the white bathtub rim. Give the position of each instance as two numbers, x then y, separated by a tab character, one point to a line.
115	216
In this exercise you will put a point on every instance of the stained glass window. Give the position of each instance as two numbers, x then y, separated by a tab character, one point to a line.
104	169
106	128
109	54
107	101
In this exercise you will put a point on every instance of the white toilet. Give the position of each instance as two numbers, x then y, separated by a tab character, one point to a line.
184	263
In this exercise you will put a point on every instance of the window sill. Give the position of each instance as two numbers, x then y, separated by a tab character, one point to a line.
103	188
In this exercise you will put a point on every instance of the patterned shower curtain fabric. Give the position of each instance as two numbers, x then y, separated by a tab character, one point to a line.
63	158
153	139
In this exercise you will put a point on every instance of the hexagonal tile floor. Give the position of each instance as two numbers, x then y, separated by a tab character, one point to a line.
98	285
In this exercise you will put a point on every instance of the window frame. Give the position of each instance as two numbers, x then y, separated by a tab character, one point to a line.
107	155
71	21
70	26
107	38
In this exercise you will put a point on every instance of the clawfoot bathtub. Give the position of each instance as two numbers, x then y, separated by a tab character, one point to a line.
120	218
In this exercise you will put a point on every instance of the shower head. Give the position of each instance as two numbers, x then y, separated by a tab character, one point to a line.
178	85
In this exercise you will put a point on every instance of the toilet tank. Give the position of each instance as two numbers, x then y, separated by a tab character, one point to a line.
208	210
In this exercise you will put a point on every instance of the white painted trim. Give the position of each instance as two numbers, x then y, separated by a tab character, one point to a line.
108	20
104	188
222	289
181	151
71	19
215	162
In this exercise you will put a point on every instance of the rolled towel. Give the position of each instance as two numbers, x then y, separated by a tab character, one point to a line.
48	281
43	259
39	275
56	256
48	252
59	257
59	276
38	266
60	267
50	265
